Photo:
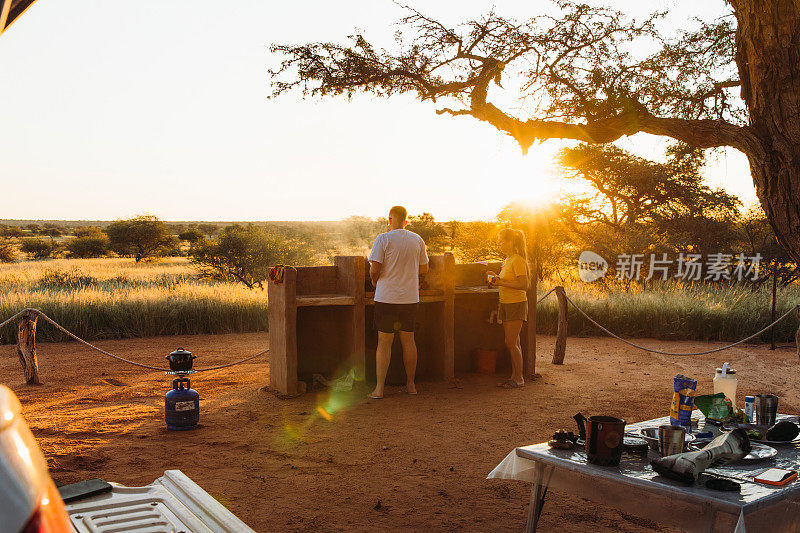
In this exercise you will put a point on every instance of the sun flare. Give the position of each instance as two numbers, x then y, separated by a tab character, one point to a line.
532	180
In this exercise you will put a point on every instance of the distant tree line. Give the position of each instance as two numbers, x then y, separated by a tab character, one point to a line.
626	205
142	237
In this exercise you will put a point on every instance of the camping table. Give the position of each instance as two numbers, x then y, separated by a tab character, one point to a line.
635	488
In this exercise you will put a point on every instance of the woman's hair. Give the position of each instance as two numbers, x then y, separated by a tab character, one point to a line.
517	238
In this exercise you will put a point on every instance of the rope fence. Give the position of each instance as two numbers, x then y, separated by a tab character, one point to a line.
545	295
554	289
754	335
118	358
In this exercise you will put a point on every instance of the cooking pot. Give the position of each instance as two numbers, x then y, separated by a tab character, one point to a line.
180	360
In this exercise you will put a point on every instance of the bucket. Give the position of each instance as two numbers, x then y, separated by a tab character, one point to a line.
485	361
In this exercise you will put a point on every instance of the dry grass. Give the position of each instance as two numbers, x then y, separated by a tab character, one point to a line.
114	298
118	298
673	310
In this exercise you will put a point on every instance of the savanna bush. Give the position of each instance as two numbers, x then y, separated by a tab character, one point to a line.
8	254
66	279
37	248
93	245
246	253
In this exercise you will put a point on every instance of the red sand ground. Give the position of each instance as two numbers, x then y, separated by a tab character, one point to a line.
279	465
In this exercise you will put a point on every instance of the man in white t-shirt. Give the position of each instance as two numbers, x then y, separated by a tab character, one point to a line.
396	262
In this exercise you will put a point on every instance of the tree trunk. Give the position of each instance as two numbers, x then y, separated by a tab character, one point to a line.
26	347
768	58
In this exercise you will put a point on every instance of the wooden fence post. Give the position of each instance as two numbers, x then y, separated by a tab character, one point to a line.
26	347
282	311
448	322
529	329
561	335
797	335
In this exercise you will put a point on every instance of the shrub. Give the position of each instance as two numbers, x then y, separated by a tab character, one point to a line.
66	279
7	230
245	254
88	246
191	235
208	229
37	248
7	252
89	231
52	230
432	232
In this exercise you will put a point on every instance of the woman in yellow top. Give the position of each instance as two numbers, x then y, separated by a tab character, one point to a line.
513	310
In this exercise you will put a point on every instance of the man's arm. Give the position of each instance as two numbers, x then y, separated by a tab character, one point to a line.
375	272
376	260
423	258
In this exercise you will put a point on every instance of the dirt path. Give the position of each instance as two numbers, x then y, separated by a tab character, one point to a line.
281	465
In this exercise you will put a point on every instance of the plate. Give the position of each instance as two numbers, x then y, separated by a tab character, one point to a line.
796	440
759	452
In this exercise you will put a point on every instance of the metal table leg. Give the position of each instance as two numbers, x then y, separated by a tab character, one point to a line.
538	492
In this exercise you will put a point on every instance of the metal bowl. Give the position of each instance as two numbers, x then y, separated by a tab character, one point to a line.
651	436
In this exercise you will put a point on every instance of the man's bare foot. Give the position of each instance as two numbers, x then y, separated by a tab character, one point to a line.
376	395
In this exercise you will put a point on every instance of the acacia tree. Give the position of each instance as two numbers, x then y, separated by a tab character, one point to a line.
246	254
142	236
629	191
734	81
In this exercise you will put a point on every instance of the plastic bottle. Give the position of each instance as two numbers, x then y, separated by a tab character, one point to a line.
725	381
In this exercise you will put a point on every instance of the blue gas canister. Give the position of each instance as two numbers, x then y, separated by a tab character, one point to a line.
182	406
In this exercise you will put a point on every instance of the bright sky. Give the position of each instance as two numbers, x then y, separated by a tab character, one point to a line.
114	108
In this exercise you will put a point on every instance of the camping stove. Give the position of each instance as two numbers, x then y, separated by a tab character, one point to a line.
182	403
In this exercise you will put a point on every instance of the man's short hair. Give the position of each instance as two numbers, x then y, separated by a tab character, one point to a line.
399	212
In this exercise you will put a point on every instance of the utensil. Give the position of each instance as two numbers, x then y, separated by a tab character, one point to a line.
651	436
766	409
671	439
603	436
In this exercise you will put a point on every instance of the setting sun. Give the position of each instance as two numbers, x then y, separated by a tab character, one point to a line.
533	180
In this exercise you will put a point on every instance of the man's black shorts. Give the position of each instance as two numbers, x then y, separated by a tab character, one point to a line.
390	318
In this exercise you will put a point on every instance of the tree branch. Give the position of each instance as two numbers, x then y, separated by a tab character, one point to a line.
701	133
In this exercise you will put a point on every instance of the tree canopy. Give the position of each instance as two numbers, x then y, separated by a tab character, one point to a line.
582	74
594	74
141	237
628	190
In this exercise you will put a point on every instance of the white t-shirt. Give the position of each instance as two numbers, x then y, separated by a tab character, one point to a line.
401	252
